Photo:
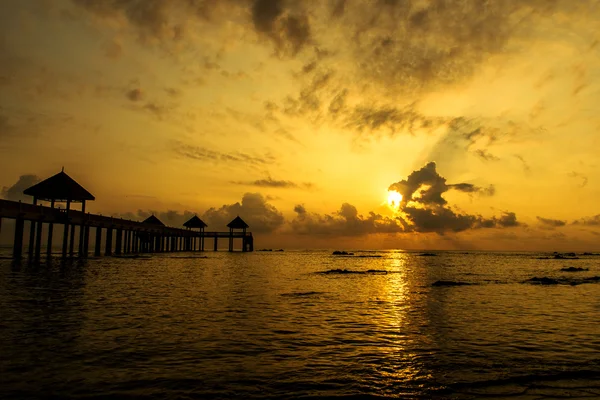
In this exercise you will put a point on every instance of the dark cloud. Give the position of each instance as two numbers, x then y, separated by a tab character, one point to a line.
588	221
374	118
524	164
289	29
426	186
551	222
134	94
261	216
345	222
15	192
203	154
425	210
581	178
485	155
412	45
275	183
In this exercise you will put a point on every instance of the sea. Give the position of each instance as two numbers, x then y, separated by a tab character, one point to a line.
302	325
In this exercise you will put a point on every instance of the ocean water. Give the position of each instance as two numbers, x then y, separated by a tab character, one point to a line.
301	324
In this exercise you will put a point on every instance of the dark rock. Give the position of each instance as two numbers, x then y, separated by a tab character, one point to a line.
574	269
342	253
449	283
543	281
428	255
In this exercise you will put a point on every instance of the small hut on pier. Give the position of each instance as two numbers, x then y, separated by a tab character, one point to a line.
151	242
152	220
237	223
196	223
59	188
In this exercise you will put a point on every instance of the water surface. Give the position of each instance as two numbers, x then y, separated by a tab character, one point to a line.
277	325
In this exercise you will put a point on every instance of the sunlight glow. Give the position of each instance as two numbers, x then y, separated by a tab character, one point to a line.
394	199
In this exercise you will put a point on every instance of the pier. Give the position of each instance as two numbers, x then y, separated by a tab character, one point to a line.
112	236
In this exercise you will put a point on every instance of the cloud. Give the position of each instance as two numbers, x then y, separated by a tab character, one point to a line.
15	192
134	94
345	222
288	28
261	216
427	186
203	154
551	222
588	221
583	180
425	210
274	183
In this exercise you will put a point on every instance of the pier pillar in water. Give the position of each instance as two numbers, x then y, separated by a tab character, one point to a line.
31	238
82	230
72	241
216	245
49	243
38	240
18	241
108	244
65	241
119	241
135	242
86	240
98	242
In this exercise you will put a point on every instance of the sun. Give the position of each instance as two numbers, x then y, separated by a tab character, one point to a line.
394	198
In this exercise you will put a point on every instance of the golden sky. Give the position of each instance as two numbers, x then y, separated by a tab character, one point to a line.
300	116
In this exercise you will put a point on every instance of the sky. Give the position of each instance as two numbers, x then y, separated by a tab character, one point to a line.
423	124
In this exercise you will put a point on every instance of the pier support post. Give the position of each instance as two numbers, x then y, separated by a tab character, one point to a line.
86	240
49	245
31	238
216	246
98	242
18	241
38	240
119	241
65	242
72	241
108	244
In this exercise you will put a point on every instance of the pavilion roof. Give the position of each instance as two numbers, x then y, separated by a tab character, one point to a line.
152	220
59	187
237	223
195	222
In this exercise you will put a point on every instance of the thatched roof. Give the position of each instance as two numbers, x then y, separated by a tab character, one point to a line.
60	187
152	220
195	222
237	223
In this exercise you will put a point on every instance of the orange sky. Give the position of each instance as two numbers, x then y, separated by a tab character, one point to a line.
300	115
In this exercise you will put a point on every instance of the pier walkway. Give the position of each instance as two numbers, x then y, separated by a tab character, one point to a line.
112	235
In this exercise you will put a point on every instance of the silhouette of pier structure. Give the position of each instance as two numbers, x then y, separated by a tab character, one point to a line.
121	236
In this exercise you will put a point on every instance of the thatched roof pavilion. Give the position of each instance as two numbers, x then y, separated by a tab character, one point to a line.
237	223
195	223
152	220
59	188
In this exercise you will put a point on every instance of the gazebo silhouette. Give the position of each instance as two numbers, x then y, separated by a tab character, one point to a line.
237	223
59	188
196	223
150	242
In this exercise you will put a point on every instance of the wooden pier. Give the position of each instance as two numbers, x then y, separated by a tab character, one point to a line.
121	236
